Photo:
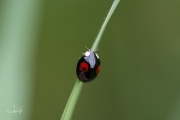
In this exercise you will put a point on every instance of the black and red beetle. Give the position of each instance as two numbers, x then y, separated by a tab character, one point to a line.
88	66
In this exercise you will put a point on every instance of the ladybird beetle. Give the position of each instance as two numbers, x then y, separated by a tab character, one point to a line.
88	66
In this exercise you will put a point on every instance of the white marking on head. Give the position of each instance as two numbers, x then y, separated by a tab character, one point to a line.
97	55
87	53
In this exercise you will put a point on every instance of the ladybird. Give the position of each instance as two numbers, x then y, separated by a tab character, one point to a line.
88	66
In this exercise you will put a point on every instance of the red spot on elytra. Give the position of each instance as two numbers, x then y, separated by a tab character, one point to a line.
97	70
84	67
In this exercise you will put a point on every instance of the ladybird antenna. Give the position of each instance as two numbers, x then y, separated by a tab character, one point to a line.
96	50
87	47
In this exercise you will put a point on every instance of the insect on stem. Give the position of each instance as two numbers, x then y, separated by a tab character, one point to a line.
68	111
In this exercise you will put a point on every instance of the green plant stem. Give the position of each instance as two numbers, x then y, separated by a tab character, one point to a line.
68	111
19	27
98	38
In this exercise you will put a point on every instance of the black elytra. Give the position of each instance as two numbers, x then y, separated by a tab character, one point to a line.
88	66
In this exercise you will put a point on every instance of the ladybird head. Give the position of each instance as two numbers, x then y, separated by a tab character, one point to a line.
90	53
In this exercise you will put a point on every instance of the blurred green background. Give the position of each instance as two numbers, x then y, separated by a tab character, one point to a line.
140	61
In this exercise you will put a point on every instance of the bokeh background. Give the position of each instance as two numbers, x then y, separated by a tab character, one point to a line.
41	41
